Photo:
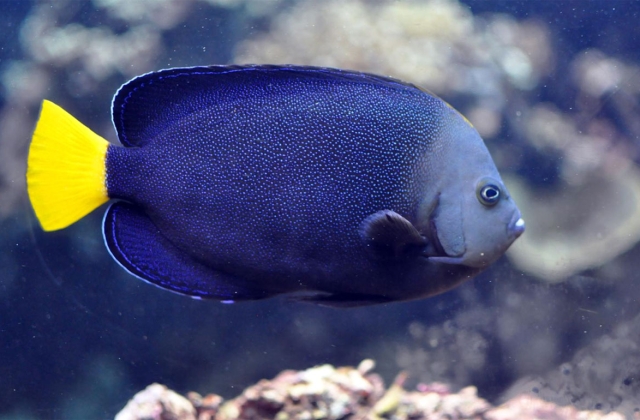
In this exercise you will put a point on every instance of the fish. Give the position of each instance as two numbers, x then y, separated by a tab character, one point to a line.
244	182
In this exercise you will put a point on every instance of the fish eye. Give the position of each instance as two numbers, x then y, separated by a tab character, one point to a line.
488	193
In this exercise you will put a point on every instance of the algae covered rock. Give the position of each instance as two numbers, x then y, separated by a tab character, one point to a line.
327	392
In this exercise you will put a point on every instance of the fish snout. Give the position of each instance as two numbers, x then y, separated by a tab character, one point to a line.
516	226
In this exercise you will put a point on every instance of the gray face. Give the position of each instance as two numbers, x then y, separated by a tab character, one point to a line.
474	219
490	222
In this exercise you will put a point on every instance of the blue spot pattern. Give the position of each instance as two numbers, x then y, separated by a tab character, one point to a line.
265	173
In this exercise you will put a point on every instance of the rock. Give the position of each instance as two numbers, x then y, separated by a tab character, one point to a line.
329	393
157	402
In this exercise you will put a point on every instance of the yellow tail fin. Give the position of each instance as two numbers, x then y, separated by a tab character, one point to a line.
65	170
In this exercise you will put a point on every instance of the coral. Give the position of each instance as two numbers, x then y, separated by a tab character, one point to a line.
325	392
158	402
562	240
437	44
571	229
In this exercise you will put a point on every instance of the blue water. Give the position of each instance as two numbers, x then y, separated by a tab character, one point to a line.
78	336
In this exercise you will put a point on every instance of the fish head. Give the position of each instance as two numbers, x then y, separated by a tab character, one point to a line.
470	219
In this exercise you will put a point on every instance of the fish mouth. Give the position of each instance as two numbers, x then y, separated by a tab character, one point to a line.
516	226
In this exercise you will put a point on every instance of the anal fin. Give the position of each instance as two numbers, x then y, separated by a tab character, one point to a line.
140	248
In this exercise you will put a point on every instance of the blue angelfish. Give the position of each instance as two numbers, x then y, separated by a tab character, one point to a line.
245	182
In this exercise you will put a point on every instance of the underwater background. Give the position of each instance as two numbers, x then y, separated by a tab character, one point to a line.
553	88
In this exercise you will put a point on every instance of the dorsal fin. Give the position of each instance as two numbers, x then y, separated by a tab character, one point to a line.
147	104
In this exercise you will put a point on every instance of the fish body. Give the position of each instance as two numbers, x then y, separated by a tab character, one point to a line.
244	182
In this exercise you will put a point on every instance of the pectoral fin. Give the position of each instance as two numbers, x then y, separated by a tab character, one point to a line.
390	236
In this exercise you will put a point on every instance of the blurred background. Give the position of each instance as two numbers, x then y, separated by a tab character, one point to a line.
553	88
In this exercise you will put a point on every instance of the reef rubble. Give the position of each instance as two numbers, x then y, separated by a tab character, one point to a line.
326	392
